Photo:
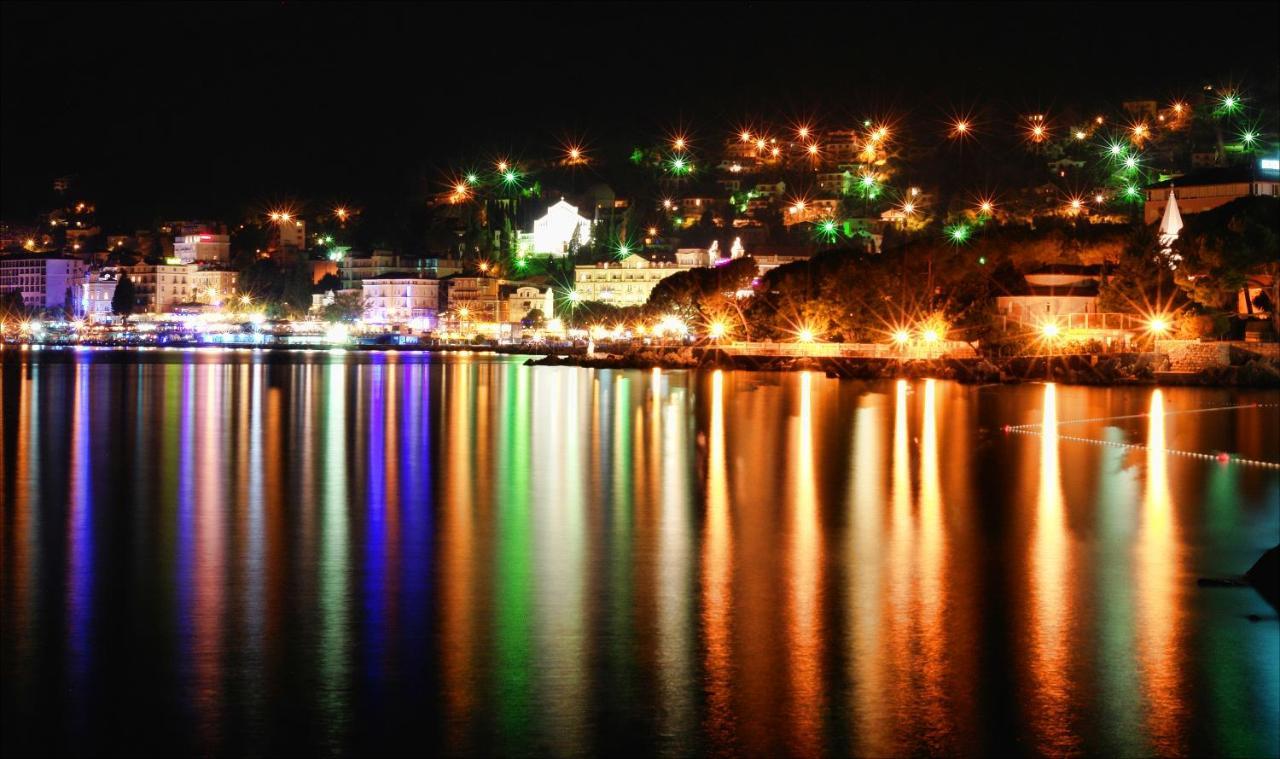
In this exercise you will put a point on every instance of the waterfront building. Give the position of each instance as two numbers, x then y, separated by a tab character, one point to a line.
1052	291
354	268
44	282
523	298
161	287
91	297
212	286
401	298
622	283
480	297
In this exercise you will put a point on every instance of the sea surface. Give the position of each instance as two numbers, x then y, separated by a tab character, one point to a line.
256	554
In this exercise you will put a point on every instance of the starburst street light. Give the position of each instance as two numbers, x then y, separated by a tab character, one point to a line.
1248	137
341	213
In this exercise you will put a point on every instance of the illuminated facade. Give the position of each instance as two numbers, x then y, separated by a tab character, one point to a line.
521	301
202	247
160	287
1210	188
45	282
561	228
92	296
401	299
625	283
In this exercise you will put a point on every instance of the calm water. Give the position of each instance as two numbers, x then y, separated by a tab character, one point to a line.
240	554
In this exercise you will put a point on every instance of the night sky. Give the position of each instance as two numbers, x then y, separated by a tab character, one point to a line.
207	109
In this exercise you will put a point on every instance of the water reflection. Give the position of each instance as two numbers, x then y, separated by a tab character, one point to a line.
1159	600
1051	617
804	615
406	554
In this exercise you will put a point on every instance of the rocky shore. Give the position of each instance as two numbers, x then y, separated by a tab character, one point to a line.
1092	369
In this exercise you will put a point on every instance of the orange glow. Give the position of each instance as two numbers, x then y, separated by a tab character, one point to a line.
804	598
1052	601
1159	597
744	136
717	565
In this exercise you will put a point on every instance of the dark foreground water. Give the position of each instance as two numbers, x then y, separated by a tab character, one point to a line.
249	554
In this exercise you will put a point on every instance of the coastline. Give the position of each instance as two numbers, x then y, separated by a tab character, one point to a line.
1114	369
1073	369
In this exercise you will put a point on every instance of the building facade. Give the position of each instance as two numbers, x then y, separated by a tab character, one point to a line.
523	299
401	299
625	283
556	232
202	247
92	296
1210	188
45	282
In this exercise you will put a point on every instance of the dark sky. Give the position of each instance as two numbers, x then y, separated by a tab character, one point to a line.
199	109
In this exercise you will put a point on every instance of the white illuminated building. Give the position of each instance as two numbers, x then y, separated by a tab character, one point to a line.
554	232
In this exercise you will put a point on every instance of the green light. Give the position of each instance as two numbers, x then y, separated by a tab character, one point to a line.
522	262
1130	191
637	156
868	181
472	179
959	233
510	176
1130	162
1230	103
982	260
680	165
828	231
1116	149
624	250
1248	138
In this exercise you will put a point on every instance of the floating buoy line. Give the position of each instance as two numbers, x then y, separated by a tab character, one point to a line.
1223	457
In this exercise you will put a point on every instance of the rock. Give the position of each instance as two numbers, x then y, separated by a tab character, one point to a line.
1264	576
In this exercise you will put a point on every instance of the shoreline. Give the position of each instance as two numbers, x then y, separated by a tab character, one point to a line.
1112	369
1115	369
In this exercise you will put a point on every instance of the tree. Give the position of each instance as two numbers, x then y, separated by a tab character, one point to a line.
12	306
328	283
534	319
125	298
346	307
